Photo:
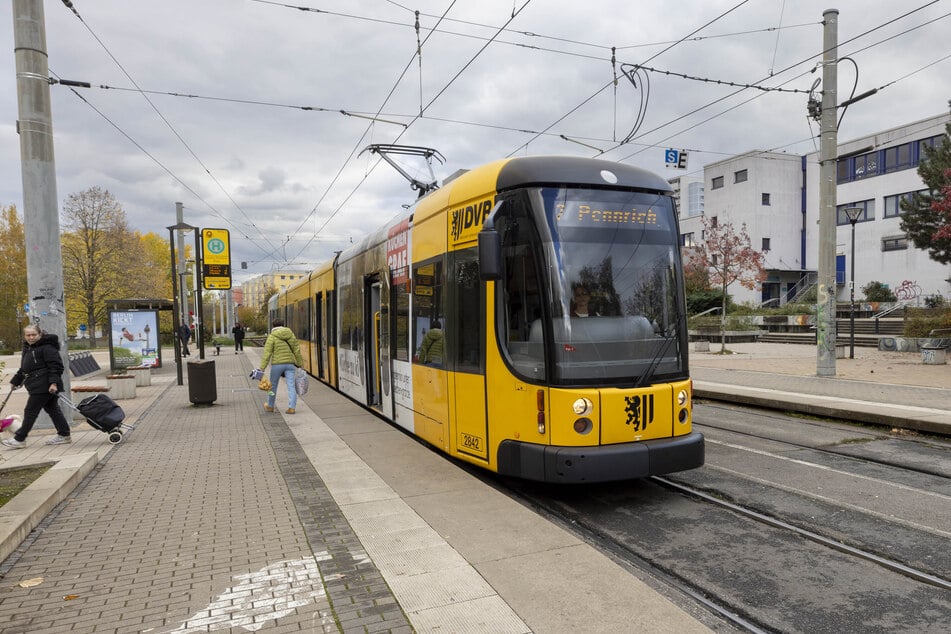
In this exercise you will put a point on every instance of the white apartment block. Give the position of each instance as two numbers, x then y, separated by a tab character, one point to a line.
777	196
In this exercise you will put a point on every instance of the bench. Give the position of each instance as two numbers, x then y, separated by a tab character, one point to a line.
121	386
142	374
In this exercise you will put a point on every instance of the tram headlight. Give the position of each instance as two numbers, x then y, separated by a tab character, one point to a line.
582	406
583	426
682	397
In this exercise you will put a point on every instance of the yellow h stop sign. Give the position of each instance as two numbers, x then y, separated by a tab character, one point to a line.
215	259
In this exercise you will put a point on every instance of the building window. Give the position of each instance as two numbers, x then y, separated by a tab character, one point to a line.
893	159
895	243
766	200
898	158
893	203
713	257
932	142
843	173
717	182
841	218
687	240
866	165
765	245
741	176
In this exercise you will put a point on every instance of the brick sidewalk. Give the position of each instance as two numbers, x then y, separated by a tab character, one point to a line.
203	518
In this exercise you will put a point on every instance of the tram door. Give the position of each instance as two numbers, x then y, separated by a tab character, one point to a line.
470	426
379	392
320	337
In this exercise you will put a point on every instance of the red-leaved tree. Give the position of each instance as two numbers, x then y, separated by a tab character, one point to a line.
730	258
943	205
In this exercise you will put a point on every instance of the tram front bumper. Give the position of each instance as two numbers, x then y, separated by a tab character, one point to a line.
606	463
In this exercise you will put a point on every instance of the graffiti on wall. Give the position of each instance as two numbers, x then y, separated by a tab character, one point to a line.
907	290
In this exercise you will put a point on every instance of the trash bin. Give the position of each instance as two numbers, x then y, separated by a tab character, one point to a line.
202	384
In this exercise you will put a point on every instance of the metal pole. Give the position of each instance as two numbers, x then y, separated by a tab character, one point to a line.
852	298
825	302
198	300
175	307
183	271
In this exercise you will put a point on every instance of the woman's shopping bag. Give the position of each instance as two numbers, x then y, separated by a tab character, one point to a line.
301	381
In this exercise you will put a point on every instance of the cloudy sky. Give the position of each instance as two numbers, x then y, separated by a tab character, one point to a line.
495	78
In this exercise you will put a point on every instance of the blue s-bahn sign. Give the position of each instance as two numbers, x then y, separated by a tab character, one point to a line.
675	158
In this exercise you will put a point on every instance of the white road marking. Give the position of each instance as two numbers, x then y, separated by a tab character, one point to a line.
262	596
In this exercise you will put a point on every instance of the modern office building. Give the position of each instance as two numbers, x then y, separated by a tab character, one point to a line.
776	196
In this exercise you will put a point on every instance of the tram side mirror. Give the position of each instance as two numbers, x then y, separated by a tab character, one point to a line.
490	250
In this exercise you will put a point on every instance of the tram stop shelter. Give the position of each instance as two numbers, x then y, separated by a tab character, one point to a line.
134	335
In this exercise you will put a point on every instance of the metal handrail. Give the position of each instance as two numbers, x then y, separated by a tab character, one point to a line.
891	310
803	286
709	310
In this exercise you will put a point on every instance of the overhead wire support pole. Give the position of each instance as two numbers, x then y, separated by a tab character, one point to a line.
44	255
828	150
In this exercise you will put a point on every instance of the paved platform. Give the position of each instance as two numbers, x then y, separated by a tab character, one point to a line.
883	388
226	517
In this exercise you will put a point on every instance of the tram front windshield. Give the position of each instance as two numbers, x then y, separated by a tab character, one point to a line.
592	291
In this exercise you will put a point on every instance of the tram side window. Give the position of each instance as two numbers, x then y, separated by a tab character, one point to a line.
468	313
401	297
302	322
351	329
520	306
429	314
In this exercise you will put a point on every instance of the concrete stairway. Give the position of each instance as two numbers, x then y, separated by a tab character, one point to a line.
867	332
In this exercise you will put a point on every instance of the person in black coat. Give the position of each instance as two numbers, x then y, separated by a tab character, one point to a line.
238	332
41	372
184	333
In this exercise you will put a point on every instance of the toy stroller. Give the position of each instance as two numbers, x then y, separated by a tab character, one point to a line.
9	421
102	413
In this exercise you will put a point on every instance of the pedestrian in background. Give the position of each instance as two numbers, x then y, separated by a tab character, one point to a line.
238	333
41	371
184	333
282	351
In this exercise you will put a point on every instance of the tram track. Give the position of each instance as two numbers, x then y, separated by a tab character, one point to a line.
765	540
737	603
889	564
838	449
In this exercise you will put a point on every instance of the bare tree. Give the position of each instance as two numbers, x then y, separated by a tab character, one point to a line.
97	248
728	256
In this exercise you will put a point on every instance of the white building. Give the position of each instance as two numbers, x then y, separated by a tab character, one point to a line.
777	197
689	195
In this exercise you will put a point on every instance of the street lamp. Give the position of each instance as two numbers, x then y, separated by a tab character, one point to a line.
853	214
183	227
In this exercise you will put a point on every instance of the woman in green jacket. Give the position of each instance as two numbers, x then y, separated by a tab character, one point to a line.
282	351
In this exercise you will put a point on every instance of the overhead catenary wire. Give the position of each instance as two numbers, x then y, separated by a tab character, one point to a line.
465	66
165	120
424	116
580	105
784	70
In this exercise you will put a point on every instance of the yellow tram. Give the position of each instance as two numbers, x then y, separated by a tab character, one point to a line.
527	317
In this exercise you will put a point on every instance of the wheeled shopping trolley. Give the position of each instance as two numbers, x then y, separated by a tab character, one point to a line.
102	413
